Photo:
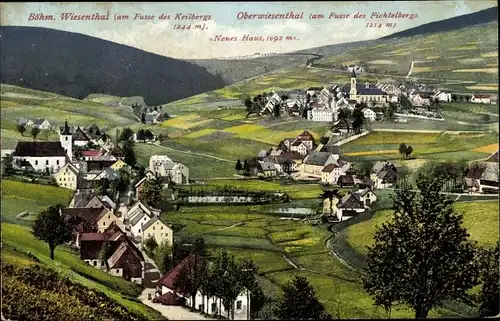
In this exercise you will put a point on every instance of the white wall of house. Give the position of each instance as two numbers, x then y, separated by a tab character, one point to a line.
41	163
116	272
241	305
160	232
320	115
80	143
480	100
136	230
301	149
340	212
95	263
369	198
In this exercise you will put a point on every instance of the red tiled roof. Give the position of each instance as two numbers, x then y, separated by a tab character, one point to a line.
481	96
305	135
170	278
93	237
329	168
91	153
170	298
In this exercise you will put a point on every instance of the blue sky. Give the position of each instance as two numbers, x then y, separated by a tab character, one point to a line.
159	36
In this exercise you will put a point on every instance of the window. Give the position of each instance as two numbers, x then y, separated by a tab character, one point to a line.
149	234
47	162
153	228
36	162
57	162
95	263
66	138
117	271
103	223
162	227
109	216
238	305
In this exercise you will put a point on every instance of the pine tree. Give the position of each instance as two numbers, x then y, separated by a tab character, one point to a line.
423	256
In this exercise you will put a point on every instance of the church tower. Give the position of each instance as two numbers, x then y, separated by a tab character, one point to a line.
66	139
353	91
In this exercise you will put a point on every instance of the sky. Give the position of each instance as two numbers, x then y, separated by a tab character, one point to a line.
164	38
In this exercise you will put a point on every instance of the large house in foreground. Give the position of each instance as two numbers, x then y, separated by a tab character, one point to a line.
168	291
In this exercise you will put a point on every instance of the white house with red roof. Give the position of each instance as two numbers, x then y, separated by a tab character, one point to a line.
167	287
481	99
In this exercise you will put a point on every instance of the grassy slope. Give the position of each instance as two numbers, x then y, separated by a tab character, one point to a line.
480	219
68	264
437	55
17	102
425	145
18	197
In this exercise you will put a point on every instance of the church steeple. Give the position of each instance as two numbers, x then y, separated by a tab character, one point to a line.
66	128
353	73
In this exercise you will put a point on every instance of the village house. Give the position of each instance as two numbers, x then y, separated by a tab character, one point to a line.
166	288
349	206
332	172
126	260
99	202
299	147
283	163
41	156
99	218
307	139
267	169
480	99
369	114
383	175
67	176
366	196
159	230
314	163
164	166
121	165
42	124
346	180
88	155
483	178
80	138
442	96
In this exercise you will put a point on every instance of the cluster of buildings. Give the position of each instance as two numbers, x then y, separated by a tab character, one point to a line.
75	166
338	209
96	221
40	123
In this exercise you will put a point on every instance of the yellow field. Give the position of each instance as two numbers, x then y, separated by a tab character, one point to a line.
185	122
433	57
483	87
262	134
200	133
422	69
486	70
245	128
487	149
490	54
373	152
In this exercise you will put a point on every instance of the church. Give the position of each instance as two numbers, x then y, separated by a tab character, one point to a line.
45	156
364	93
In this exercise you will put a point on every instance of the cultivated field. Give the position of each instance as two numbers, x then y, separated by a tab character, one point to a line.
437	57
440	146
480	219
265	236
